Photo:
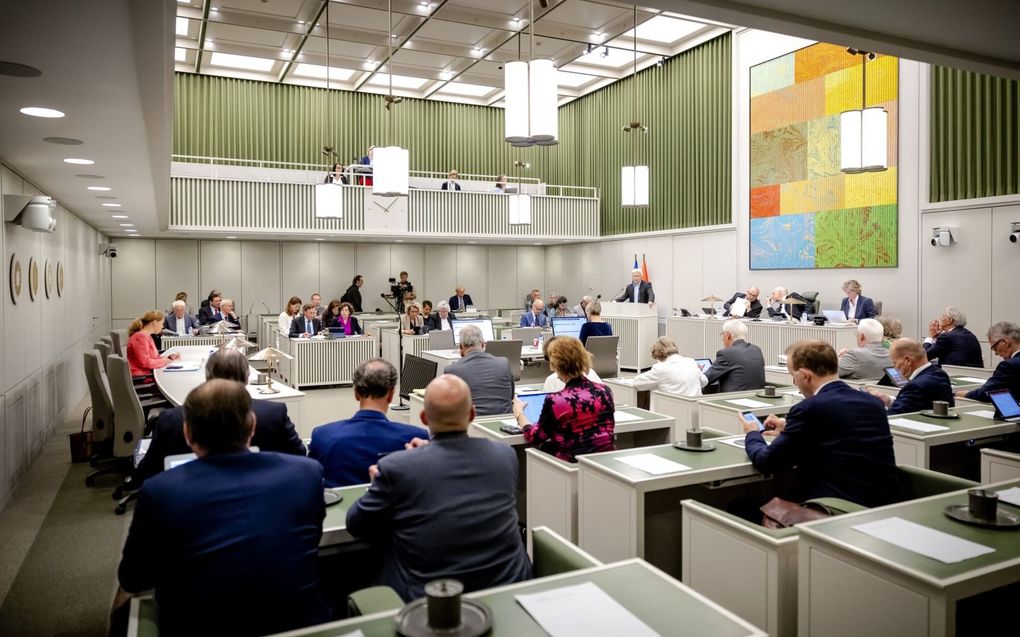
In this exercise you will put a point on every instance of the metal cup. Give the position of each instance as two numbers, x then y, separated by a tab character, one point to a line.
769	391
693	438
443	603
983	503
940	407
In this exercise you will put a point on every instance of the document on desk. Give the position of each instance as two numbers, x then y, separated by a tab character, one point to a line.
655	465
356	633
184	366
739	442
923	427
622	416
584	610
983	413
1012	496
971	379
916	538
747	402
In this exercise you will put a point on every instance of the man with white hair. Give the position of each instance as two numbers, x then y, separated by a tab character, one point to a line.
581	309
1005	340
775	306
440	319
739	366
637	291
488	376
869	360
179	322
951	342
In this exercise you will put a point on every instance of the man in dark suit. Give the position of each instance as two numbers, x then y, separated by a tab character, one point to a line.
347	448
951	342
353	293
488	376
451	182
752	306
928	383
210	313
179	322
306	325
440	319
637	291
739	366
446	508
535	316
1005	340
230	530
838	437
460	301
274	430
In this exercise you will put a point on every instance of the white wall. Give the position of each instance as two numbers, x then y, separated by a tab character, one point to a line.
44	340
148	272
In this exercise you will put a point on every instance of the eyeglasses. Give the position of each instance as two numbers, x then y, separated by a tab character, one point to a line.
996	344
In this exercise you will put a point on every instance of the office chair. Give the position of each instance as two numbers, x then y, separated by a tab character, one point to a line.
878	307
603	352
441	339
102	410
510	350
119	339
525	334
105	349
131	424
813	302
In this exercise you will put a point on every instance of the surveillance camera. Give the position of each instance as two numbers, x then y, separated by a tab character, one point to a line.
941	237
108	250
1014	236
113	252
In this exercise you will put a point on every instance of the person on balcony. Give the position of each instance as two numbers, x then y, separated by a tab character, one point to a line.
451	182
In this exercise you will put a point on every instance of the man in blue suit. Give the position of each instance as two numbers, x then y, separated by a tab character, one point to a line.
347	448
928	383
535	316
1005	340
228	541
855	306
951	342
179	322
460	301
445	508
837	436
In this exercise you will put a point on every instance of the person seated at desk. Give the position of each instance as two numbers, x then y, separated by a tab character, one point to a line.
336	175
142	355
460	301
928	383
488	376
210	311
182	296
837	437
892	329
869	359
638	290
672	373
774	306
179	322
562	308
330	315
451	181
231	530
530	298
553	382
306	325
411	321
446	507
855	306
751	305
739	366
535	316
347	448
287	316
440	319
1005	340
274	430
580	418
951	342
581	309
594	326
348	322
227	310
353	293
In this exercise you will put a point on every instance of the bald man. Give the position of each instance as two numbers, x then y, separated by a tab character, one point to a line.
927	382
752	306
447	507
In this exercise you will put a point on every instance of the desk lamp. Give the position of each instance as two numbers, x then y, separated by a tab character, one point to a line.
270	355
713	299
791	301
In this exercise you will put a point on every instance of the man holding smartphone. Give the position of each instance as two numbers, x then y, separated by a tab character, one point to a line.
838	437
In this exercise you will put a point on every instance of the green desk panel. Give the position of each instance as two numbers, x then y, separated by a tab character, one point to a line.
336	515
723	456
963	424
778	401
493	423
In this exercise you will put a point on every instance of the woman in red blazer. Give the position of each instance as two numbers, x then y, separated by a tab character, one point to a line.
142	355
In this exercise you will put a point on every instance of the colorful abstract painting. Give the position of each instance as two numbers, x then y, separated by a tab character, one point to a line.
805	213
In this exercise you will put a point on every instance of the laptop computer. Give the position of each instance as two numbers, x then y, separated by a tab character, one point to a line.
1006	406
703	364
707	311
893	378
834	316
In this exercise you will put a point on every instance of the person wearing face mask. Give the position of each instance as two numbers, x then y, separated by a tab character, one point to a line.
838	437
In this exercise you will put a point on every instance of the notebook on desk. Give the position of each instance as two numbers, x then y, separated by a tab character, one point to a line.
1006	406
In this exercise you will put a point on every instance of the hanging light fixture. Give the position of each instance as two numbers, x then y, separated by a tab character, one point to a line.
634	178
329	198
531	115
519	204
863	132
390	164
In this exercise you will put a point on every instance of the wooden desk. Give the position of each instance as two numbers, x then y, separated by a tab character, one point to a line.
915	448
444	357
687	409
323	361
721	411
625	394
334	527
699	337
637	325
843	572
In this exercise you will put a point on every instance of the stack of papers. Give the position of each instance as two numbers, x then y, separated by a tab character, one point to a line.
655	465
916	538
1012	496
622	416
983	413
747	402
923	427
183	366
584	610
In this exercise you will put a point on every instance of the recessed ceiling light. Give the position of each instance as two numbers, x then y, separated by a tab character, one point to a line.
90	176
119	216
300	21
105	197
231	237
111	205
39	111
81	162
515	20
127	225
472	242
399	240
393	35
180	55
100	188
241	62
63	141
319	72
319	239
538	243
214	9
208	44
182	26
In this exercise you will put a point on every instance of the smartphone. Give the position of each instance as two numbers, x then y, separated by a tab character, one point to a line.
513	430
752	419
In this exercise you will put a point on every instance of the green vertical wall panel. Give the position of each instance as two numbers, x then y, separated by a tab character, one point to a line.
686	103
975	135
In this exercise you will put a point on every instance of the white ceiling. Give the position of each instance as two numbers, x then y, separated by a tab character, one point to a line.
440	46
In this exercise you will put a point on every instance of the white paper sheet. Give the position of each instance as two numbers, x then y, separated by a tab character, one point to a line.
622	416
923	427
747	402
739	442
983	413
509	421
971	379
584	610
356	633
184	366
1011	496
653	464
916	538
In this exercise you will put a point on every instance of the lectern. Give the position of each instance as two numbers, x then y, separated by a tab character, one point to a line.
637	325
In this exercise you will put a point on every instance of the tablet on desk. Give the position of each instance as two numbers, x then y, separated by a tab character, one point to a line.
1006	405
703	364
533	405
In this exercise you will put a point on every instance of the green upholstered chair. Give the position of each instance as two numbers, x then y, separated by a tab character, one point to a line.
551	554
374	599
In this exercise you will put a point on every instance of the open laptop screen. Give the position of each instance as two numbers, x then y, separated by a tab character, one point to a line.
1007	405
484	324
834	316
567	325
